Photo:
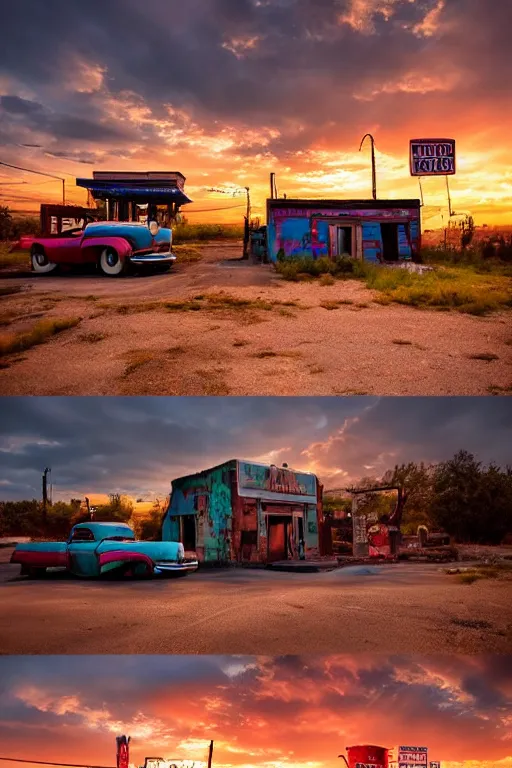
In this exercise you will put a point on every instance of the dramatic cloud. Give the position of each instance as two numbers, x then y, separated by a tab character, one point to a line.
289	712
227	90
138	445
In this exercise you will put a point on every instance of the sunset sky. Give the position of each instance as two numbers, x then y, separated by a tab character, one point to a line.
283	712
98	445
228	90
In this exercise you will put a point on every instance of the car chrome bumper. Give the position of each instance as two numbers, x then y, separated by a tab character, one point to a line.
153	258
191	565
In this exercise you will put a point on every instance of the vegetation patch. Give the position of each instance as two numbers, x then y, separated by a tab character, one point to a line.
187	254
9	290
467	288
136	359
40	333
488	357
10	258
186	233
92	338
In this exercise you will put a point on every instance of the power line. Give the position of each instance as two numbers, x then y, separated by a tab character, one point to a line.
40	762
206	210
29	170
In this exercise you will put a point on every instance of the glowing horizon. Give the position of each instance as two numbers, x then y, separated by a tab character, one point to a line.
287	712
248	98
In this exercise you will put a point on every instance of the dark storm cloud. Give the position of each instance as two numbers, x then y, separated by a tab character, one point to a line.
135	445
168	51
305	708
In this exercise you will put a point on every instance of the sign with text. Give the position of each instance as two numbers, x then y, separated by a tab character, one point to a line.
432	157
159	762
412	756
261	479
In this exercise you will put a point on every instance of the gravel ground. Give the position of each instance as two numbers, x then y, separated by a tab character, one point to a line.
402	608
361	347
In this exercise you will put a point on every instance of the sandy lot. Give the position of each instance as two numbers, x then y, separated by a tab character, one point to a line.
285	343
402	608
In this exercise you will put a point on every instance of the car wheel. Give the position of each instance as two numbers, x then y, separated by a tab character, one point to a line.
40	262
111	264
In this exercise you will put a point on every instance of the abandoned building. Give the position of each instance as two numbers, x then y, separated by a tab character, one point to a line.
138	195
378	231
248	512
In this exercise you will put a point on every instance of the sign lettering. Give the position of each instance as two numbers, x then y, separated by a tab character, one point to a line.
432	157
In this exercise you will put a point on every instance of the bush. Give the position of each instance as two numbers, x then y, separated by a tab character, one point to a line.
193	232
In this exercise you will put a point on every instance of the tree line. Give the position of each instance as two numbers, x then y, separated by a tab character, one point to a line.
29	518
471	501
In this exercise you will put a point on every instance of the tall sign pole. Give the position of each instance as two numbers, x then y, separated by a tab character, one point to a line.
374	173
433	157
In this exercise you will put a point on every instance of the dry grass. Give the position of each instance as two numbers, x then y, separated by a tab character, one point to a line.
40	333
136	359
14	258
92	338
9	290
487	357
187	254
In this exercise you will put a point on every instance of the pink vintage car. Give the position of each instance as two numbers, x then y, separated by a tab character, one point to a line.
112	245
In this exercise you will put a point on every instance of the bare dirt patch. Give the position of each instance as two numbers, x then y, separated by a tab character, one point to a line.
222	326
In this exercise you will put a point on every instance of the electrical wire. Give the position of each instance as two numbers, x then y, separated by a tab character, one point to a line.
40	762
29	170
206	210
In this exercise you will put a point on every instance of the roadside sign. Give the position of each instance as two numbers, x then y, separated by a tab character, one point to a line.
432	157
412	757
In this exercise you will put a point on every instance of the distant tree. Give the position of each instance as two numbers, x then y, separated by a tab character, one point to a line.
6	223
471	502
149	526
413	482
119	508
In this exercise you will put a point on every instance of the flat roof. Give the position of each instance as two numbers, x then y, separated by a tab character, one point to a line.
241	461
283	202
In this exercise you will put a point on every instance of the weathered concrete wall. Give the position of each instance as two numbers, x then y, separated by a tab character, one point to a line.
297	232
208	496
231	526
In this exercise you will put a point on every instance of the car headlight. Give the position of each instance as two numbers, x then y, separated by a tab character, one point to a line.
181	552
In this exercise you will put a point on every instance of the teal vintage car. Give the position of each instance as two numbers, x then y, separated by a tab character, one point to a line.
95	549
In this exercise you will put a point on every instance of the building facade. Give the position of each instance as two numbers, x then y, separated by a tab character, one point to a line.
247	512
378	231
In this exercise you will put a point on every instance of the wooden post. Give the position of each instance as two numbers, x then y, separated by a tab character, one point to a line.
210	755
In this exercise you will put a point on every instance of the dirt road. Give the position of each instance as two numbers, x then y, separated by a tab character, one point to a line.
248	333
400	608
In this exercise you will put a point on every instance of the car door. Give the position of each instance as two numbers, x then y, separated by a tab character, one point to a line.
65	249
83	559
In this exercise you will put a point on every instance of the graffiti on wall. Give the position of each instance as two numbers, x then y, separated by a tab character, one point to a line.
275	480
208	497
302	232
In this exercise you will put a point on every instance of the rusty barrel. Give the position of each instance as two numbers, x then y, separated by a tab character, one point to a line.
367	756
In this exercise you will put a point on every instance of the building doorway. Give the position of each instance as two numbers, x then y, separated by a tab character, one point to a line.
188	532
342	240
277	541
389	234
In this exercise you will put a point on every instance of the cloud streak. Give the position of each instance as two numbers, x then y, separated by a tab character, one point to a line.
138	445
185	83
290	712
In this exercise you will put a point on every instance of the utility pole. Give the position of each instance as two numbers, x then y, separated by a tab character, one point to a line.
374	175
45	494
210	755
